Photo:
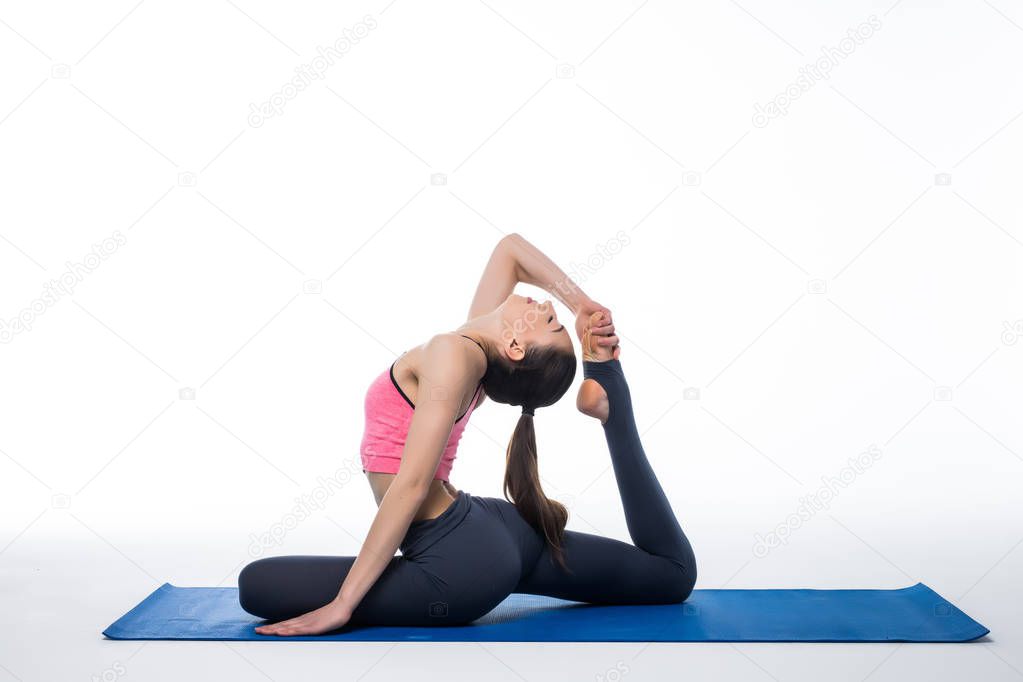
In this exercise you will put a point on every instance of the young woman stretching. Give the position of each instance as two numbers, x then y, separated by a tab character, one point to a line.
462	554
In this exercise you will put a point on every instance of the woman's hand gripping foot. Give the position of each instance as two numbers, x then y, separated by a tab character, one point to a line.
592	399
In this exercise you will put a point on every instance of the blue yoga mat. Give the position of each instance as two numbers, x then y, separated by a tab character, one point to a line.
910	614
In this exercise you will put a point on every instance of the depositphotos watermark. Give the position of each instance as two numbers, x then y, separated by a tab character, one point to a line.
815	502
614	673
53	290
601	256
815	71
115	671
305	506
325	58
1012	332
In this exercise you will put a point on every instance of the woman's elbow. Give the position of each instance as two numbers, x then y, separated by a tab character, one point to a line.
413	485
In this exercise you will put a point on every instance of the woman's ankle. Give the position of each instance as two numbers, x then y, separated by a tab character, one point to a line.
600	366
601	380
592	400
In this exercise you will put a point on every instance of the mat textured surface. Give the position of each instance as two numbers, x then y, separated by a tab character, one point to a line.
909	614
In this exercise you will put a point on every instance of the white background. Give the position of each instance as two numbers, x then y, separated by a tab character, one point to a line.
812	279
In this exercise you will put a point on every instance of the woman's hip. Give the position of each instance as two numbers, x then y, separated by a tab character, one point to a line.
484	538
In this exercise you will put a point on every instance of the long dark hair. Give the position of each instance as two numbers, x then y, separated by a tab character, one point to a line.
539	379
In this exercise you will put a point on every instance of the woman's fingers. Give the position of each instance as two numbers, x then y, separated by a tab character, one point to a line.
280	630
607	340
274	626
604	330
277	628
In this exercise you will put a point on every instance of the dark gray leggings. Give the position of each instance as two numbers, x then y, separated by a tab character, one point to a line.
458	566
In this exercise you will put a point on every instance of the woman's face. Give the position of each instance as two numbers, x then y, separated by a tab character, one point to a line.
527	322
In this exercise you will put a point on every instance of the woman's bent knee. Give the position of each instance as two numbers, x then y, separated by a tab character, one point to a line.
682	584
252	588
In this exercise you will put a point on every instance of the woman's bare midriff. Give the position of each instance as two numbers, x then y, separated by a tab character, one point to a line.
438	499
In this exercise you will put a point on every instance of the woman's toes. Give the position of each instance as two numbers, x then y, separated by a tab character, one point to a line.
592	400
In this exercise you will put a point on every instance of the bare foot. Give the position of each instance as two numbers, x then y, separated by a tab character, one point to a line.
592	399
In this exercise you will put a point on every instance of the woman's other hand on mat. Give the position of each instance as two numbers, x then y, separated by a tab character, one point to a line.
324	619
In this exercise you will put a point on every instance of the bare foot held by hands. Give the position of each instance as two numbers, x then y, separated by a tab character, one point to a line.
592	399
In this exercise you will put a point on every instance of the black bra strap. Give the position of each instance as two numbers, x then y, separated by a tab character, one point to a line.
476	401
476	342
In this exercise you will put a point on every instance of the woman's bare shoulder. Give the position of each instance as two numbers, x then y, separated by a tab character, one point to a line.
452	358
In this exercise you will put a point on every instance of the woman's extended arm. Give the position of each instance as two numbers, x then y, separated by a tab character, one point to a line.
515	260
442	384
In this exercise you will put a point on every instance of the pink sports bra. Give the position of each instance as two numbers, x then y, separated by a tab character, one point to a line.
388	417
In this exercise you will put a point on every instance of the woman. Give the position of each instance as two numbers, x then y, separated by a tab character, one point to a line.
462	554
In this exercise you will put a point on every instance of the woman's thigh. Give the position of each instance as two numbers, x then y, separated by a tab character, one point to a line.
474	567
601	570
278	588
607	571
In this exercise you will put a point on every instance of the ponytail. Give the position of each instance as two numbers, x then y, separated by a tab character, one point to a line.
539	379
522	488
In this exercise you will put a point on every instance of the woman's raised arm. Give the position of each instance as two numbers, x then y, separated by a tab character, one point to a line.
516	260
